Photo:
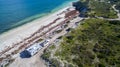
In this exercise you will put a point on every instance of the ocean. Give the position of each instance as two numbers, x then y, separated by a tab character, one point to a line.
14	13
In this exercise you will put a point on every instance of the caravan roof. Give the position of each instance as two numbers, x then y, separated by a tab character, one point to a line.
33	49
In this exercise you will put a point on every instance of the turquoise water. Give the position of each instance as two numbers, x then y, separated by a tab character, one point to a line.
14	13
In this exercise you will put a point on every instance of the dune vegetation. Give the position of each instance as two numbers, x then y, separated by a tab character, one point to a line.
94	43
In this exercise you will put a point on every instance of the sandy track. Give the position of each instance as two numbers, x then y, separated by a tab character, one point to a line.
34	61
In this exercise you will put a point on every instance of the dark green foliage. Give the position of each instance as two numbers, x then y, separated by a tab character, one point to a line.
101	65
96	38
114	22
46	55
118	5
54	63
100	8
50	61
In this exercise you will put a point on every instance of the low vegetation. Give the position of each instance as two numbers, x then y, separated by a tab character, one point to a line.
118	6
95	43
99	8
51	62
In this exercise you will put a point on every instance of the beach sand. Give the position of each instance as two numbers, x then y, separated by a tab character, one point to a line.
19	34
34	61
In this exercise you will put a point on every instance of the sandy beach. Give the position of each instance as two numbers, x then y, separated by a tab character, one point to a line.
18	34
20	38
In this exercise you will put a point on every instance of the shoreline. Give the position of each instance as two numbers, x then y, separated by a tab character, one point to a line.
20	33
38	16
